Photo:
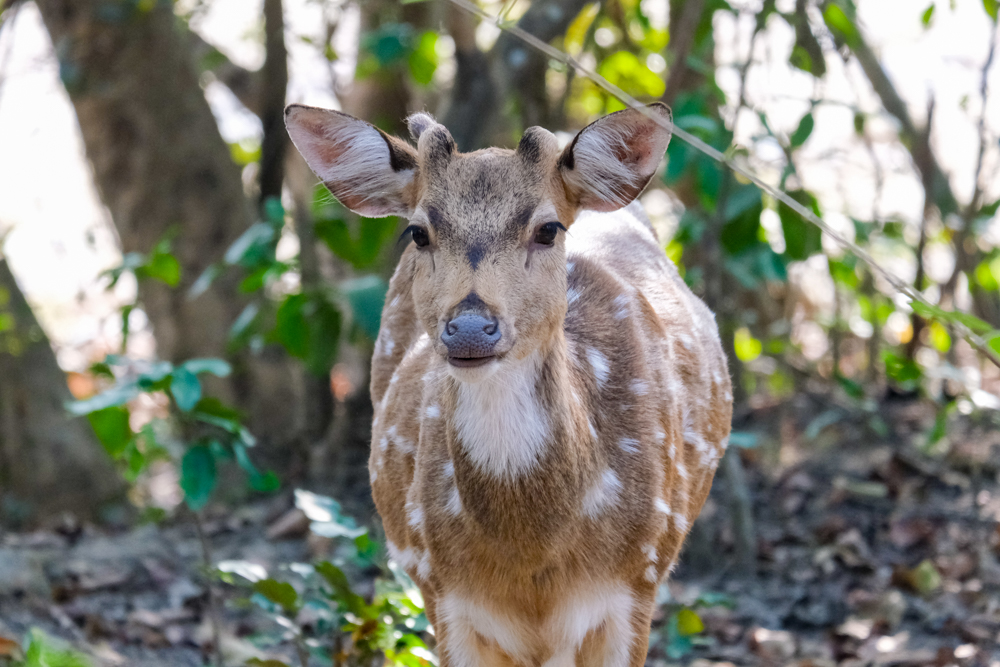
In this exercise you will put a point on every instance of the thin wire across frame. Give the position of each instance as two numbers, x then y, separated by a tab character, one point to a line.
896	282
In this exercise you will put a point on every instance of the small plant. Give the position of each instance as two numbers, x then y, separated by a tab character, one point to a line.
197	431
41	650
315	606
683	628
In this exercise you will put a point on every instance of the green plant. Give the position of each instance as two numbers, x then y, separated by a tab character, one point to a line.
317	608
683	628
197	432
41	650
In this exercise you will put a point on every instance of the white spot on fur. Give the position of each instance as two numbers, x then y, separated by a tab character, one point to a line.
372	475
407	558
424	566
621	303
650	551
599	363
682	470
651	574
724	443
414	514
383	443
500	422
593	431
404	445
454	504
662	506
602	495
639	387
449	469
659	436
685	340
681	522
629	445
432	412
388	344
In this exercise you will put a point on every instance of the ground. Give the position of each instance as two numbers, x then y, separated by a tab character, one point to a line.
871	551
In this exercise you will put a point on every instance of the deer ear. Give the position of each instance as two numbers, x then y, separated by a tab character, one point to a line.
370	172
611	160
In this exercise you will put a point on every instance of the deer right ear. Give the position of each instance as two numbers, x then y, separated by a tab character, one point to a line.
369	171
611	160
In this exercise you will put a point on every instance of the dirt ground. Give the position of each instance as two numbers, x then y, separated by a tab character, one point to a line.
869	552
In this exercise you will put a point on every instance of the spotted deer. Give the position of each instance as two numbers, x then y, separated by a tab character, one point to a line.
551	400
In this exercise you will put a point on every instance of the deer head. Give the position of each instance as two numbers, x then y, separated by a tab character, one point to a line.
490	281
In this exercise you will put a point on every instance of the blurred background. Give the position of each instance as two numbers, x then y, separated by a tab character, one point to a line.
187	318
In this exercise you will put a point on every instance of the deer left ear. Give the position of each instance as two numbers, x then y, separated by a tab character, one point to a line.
611	160
369	171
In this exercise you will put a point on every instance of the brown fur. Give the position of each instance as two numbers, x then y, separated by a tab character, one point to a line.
609	337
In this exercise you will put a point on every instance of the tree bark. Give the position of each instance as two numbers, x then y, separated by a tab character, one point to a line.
161	167
49	462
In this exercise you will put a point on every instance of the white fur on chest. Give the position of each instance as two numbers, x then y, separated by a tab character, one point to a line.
501	424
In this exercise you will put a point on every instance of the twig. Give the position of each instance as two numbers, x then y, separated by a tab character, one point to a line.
213	602
894	281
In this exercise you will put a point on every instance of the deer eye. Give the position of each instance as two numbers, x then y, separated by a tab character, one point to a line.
546	234
419	235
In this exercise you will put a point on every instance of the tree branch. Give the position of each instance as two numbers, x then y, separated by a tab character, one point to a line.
274	80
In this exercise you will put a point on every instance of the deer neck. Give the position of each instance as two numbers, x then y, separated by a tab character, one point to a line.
517	445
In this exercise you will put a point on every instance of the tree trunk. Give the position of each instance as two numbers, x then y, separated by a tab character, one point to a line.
49	462
161	168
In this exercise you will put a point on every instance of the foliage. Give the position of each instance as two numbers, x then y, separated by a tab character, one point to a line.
198	431
41	650
317	607
683	628
309	322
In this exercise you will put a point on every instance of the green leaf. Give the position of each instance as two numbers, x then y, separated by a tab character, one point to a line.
185	388
423	61
279	592
251	245
905	372
308	326
803	131
929	311
258	482
116	395
928	14
689	623
198	476
217	367
367	297
112	428
744	439
842	26
342	591
46	651
161	266
991	8
802	239
625	70
742	228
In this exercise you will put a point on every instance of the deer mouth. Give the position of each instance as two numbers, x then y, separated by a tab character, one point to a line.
470	362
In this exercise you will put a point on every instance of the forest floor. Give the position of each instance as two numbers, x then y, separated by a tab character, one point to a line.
870	552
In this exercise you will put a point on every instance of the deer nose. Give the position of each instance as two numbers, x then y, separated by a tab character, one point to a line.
471	336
